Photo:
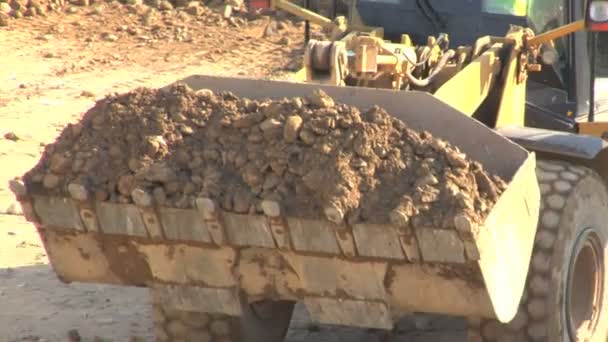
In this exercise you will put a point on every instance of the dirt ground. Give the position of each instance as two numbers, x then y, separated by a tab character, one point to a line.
52	69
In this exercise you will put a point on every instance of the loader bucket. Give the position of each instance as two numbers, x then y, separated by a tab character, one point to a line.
361	275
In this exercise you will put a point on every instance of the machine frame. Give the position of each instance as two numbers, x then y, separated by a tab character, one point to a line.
557	121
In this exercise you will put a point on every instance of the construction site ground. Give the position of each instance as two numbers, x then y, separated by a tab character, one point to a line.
52	69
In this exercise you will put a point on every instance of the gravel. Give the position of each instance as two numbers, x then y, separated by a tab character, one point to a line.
312	157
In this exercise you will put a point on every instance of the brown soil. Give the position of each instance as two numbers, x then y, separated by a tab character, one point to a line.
312	156
17	9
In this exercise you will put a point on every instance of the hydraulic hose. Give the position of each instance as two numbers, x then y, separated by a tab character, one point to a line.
440	65
425	59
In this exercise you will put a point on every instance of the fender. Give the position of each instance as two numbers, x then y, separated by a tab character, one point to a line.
581	149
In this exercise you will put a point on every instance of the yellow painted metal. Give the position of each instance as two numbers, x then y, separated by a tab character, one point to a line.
300	75
557	33
302	12
377	32
386	60
395	48
511	111
339	25
596	129
470	87
366	58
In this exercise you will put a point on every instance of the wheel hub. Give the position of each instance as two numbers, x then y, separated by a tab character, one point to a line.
585	287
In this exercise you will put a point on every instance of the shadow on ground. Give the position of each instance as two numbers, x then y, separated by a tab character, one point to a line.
37	307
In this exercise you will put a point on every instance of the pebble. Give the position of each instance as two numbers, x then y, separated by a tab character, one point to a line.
428	179
271	208
11	136
165	5
227	11
292	128
109	37
126	184
59	163
159	196
307	136
252	176
320	99
270	124
270	30
399	218
456	159
13	209
50	181
78	192
74	336
5	8
4	20
486	185
463	223
271	182
359	163
31	12
45	37
334	214
17	187
195	9
186	130
159	172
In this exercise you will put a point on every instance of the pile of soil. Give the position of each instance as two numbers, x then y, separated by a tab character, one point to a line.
313	156
211	12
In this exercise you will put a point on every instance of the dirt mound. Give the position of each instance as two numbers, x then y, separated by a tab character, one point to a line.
211	12
313	156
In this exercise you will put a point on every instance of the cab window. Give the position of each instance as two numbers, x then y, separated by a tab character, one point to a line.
545	15
508	7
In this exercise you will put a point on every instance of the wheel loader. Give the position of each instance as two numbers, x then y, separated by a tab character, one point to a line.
510	82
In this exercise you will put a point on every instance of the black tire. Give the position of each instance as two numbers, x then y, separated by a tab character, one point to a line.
264	321
566	284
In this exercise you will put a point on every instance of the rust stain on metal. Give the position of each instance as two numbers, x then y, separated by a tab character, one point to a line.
389	278
341	294
170	252
125	261
342	234
83	254
469	273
